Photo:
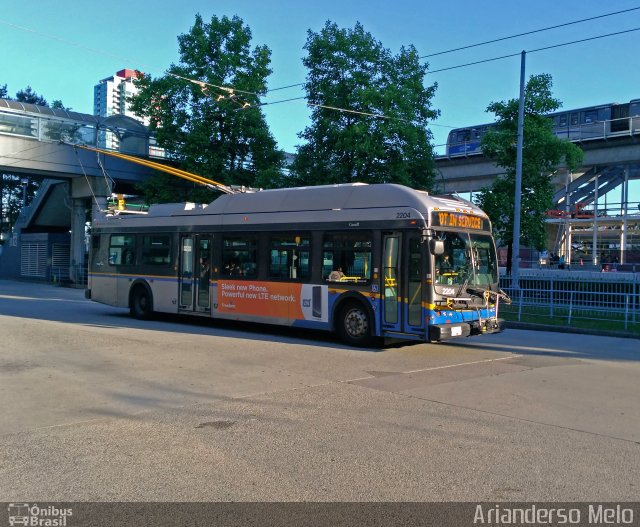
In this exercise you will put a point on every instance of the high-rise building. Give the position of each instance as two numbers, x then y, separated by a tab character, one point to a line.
110	98
110	94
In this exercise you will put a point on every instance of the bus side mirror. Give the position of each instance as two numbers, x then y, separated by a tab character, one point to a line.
436	246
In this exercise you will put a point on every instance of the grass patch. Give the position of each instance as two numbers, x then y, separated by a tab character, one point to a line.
583	319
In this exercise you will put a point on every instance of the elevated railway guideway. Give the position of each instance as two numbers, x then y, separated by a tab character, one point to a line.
32	145
595	219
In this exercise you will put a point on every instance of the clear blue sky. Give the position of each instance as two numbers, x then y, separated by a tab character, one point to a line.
143	35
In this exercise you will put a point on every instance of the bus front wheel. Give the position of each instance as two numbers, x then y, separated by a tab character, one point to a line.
354	324
141	305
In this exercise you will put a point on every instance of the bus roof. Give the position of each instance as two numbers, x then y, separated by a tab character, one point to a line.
356	202
326	197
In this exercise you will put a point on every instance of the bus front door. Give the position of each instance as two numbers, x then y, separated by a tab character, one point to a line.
414	280
402	286
391	283
195	273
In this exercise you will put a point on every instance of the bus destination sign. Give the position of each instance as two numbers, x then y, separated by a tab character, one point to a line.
458	220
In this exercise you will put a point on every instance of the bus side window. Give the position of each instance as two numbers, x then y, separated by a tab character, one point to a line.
239	257
122	250
156	250
289	257
349	251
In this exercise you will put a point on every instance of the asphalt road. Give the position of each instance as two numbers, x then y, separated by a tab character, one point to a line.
97	406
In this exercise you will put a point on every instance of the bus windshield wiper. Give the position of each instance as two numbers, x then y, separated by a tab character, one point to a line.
486	292
463	288
478	291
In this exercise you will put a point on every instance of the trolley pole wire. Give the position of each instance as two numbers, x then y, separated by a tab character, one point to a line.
183	174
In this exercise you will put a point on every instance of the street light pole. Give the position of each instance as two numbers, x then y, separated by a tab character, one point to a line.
515	256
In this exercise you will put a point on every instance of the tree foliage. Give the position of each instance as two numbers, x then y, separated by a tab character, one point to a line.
542	153
350	69
12	191
216	132
29	96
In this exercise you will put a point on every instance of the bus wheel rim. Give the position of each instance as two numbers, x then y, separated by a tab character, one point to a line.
356	323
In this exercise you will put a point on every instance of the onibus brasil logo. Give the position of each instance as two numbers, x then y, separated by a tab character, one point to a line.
34	515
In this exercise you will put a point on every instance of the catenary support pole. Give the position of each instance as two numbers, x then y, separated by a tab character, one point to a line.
515	257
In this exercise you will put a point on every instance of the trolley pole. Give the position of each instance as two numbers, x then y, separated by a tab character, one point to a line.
515	257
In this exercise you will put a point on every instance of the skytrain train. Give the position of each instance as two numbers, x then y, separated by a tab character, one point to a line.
583	124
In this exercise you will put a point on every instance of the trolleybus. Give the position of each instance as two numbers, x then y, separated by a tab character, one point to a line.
364	261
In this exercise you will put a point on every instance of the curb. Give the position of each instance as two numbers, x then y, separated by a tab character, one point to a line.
568	329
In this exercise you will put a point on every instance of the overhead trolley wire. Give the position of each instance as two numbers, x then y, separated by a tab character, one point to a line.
496	40
585	40
527	33
285	87
378	115
463	66
231	91
534	50
112	55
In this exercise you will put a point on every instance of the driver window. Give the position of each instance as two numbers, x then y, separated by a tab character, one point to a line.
451	267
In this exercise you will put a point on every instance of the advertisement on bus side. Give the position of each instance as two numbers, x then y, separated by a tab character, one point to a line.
273	299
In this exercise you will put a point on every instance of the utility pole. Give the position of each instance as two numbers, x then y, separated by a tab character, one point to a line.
515	256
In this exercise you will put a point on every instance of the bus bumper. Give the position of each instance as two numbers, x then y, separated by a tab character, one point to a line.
439	332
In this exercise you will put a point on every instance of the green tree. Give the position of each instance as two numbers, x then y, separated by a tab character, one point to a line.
542	153
29	96
215	129
349	69
12	190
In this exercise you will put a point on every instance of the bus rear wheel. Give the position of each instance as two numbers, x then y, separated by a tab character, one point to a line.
141	306
354	324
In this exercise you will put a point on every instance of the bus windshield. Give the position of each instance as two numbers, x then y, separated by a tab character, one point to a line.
468	259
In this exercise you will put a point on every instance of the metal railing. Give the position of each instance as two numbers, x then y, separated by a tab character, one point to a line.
575	299
75	274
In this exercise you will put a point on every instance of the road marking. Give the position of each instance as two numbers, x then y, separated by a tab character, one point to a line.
463	364
434	368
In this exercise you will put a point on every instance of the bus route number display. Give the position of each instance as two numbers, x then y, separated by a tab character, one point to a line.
458	220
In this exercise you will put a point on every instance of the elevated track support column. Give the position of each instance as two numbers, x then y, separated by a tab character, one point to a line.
78	245
625	212
88	193
594	250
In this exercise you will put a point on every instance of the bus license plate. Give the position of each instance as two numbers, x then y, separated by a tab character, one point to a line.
456	331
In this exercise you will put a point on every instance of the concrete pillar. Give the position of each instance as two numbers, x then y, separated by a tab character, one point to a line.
84	191
78	245
625	212
594	252
567	225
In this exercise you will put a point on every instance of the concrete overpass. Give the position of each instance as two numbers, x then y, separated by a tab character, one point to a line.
75	180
